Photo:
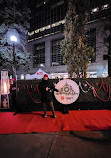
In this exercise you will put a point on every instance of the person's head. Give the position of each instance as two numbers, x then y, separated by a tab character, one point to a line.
13	80
45	77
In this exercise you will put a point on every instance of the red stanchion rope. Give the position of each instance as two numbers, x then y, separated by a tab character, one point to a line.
106	90
36	87
29	93
33	90
102	85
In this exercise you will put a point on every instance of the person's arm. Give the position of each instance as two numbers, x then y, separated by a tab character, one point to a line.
53	88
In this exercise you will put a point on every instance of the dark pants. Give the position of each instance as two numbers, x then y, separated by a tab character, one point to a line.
14	103
51	105
65	109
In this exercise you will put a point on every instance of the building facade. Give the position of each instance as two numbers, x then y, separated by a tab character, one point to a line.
46	34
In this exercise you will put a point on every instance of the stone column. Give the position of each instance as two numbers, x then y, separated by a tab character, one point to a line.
47	53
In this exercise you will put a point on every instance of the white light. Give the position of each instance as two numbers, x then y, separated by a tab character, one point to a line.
42	65
5	88
13	38
106	6
22	77
95	10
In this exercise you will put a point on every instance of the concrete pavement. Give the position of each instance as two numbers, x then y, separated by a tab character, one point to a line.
89	144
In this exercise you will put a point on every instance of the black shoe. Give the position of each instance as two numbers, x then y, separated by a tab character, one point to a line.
15	113
54	116
45	115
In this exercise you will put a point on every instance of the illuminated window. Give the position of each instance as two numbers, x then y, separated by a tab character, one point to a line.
22	77
39	55
95	10
57	58
44	17
91	41
106	6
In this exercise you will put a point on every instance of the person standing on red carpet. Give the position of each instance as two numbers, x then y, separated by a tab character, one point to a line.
14	96
46	87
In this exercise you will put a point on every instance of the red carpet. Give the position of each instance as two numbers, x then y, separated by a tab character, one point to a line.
79	120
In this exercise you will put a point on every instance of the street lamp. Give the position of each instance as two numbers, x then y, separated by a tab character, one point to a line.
14	40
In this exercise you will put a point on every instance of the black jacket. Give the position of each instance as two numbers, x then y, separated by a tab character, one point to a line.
46	95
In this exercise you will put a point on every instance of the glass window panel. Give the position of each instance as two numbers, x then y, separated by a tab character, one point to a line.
57	58
39	55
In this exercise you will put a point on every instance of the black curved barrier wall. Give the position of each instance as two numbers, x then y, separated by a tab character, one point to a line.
29	97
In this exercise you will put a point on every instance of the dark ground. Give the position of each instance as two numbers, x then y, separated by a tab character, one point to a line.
89	144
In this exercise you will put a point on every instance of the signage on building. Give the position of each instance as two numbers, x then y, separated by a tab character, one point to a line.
69	91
